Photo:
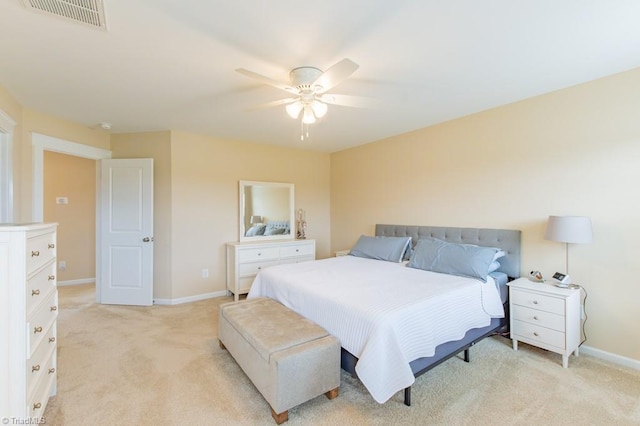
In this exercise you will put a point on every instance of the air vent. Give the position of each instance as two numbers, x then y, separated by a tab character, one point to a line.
87	12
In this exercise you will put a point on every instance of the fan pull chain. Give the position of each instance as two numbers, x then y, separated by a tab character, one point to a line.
304	132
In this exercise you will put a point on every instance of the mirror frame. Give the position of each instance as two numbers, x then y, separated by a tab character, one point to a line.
292	223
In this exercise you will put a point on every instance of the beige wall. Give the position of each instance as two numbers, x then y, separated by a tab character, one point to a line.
571	152
74	178
205	174
156	145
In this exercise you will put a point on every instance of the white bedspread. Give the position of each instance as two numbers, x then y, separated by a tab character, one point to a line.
383	313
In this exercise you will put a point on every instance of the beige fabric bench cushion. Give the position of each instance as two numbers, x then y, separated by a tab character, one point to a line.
285	328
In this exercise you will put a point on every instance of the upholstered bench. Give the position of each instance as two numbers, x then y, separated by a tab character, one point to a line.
289	359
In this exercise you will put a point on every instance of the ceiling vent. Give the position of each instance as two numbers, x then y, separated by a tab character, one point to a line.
87	12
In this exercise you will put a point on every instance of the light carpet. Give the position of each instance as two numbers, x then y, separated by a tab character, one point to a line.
162	365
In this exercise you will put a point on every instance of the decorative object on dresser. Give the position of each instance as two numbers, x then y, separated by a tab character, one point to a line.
545	316
245	260
28	313
302	224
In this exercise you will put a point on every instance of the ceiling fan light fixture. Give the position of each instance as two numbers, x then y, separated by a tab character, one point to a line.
319	108
308	117
293	109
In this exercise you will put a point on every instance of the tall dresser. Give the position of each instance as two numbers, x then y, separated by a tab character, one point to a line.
246	259
28	313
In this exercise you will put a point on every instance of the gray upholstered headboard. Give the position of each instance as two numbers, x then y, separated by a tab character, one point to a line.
506	239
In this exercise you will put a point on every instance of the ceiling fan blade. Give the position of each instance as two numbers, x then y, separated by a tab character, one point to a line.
335	75
349	101
274	103
267	80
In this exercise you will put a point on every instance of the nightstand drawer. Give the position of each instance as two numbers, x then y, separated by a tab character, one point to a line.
536	317
525	331
537	301
250	269
256	254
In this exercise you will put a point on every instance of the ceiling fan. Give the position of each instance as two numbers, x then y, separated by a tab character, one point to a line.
309	87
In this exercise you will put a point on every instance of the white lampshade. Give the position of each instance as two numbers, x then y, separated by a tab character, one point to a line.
569	229
256	219
294	109
308	117
319	108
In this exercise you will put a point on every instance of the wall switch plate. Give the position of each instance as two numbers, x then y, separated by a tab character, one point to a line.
62	265
205	273
62	200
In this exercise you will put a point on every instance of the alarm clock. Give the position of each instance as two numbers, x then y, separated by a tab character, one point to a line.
563	279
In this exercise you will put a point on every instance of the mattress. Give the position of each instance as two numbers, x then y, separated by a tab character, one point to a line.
384	313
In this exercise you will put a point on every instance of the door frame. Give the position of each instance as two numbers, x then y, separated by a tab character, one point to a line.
41	143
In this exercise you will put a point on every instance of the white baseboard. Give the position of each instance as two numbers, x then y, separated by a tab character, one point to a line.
608	356
77	282
189	298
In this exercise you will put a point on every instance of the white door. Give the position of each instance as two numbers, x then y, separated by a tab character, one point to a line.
125	261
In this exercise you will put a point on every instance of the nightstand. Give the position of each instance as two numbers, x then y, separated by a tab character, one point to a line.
545	316
342	252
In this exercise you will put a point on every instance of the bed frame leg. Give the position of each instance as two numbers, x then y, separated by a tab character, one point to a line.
466	355
407	396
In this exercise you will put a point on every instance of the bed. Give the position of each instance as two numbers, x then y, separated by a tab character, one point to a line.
395	322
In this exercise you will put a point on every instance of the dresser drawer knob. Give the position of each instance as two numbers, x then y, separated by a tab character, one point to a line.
535	333
535	318
297	250
259	254
35	253
51	246
35	368
35	292
37	405
52	339
51	277
52	370
54	308
535	302
259	267
37	330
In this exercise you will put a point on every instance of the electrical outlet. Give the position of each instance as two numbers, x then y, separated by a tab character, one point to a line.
205	273
62	265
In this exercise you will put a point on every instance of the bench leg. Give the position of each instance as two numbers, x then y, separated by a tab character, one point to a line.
333	393
222	346
280	418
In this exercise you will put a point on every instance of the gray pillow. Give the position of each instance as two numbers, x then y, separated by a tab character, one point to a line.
464	260
391	249
255	230
274	231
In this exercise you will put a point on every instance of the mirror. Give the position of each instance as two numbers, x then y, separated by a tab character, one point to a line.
266	211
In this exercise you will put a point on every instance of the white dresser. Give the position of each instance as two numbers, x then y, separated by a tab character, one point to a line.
246	259
545	316
28	313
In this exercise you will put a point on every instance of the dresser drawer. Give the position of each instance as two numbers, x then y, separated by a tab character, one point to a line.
541	318
39	365
40	322
297	250
537	301
39	286
252	268
526	331
297	259
37	401
257	254
40	250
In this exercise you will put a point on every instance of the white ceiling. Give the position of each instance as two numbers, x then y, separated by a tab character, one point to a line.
169	64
